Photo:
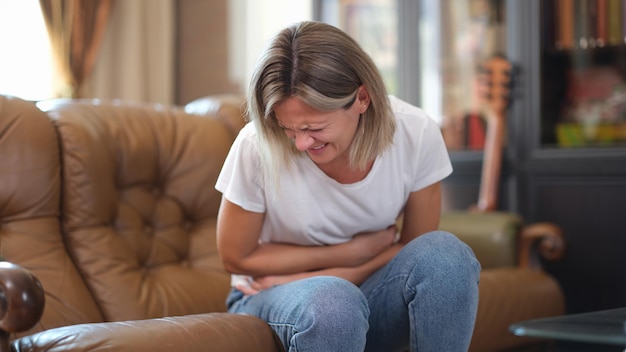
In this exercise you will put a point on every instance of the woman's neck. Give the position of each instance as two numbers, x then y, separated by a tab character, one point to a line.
344	174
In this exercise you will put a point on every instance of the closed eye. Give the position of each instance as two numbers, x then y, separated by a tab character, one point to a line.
291	131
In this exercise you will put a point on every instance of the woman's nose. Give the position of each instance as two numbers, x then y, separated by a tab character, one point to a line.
303	141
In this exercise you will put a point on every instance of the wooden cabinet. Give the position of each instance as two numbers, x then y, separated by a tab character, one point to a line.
579	184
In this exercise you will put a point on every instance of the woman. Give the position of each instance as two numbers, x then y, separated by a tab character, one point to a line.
312	190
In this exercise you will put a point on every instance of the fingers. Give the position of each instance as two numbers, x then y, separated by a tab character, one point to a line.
252	287
247	290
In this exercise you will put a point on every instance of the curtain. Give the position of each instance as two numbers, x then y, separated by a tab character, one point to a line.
76	29
137	58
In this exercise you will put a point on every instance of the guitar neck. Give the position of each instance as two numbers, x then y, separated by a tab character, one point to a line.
492	164
497	76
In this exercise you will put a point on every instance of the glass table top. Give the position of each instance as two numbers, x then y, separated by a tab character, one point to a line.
606	327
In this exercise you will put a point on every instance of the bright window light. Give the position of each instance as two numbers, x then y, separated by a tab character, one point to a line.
26	67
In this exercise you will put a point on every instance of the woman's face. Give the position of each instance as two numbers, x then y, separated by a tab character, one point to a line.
324	136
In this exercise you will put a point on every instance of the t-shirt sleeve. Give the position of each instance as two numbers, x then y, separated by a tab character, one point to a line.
432	159
241	179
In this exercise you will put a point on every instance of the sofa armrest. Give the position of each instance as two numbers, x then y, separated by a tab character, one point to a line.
501	239
199	332
22	300
491	235
230	109
540	240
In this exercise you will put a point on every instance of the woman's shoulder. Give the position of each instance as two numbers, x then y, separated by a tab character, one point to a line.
247	135
247	131
410	116
399	106
246	143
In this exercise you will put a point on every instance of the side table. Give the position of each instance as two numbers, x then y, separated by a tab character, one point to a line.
605	327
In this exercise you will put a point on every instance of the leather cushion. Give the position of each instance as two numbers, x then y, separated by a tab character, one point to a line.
205	332
140	206
492	235
30	190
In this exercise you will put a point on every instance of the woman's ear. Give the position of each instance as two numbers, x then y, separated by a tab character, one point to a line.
363	98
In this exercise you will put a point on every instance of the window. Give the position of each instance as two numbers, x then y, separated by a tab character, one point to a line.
253	24
26	67
372	23
427	51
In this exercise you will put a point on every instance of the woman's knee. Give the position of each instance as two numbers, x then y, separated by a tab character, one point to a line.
338	312
443	252
336	298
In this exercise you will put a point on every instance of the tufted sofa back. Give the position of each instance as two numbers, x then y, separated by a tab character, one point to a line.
139	205
30	195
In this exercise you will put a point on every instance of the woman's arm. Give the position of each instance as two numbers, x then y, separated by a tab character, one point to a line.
421	213
238	232
357	275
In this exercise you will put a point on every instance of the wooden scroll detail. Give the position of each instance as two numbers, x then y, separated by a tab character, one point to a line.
540	240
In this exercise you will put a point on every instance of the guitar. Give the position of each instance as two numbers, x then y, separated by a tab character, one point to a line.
495	79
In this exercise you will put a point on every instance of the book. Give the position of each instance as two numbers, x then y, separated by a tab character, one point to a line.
601	23
476	131
565	21
581	24
614	10
624	21
594	19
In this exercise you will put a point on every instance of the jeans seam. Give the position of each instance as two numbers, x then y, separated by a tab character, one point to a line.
293	326
383	284
289	345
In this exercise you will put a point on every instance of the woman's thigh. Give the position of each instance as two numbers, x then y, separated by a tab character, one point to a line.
429	290
317	314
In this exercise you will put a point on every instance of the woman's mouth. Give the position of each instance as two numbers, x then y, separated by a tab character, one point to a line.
318	148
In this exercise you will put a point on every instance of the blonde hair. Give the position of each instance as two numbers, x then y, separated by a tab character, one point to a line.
323	67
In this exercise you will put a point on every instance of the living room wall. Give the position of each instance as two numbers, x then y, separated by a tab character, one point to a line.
218	41
202	50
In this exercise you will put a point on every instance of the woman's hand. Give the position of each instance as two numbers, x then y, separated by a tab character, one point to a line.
238	232
365	246
266	282
356	275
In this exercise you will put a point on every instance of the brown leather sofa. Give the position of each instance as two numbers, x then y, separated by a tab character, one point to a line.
107	211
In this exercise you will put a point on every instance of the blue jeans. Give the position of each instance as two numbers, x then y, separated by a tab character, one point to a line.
425	298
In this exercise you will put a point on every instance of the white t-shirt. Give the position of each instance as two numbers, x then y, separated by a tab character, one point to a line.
311	208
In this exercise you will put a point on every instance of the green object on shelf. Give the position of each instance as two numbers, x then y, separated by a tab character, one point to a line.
570	135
